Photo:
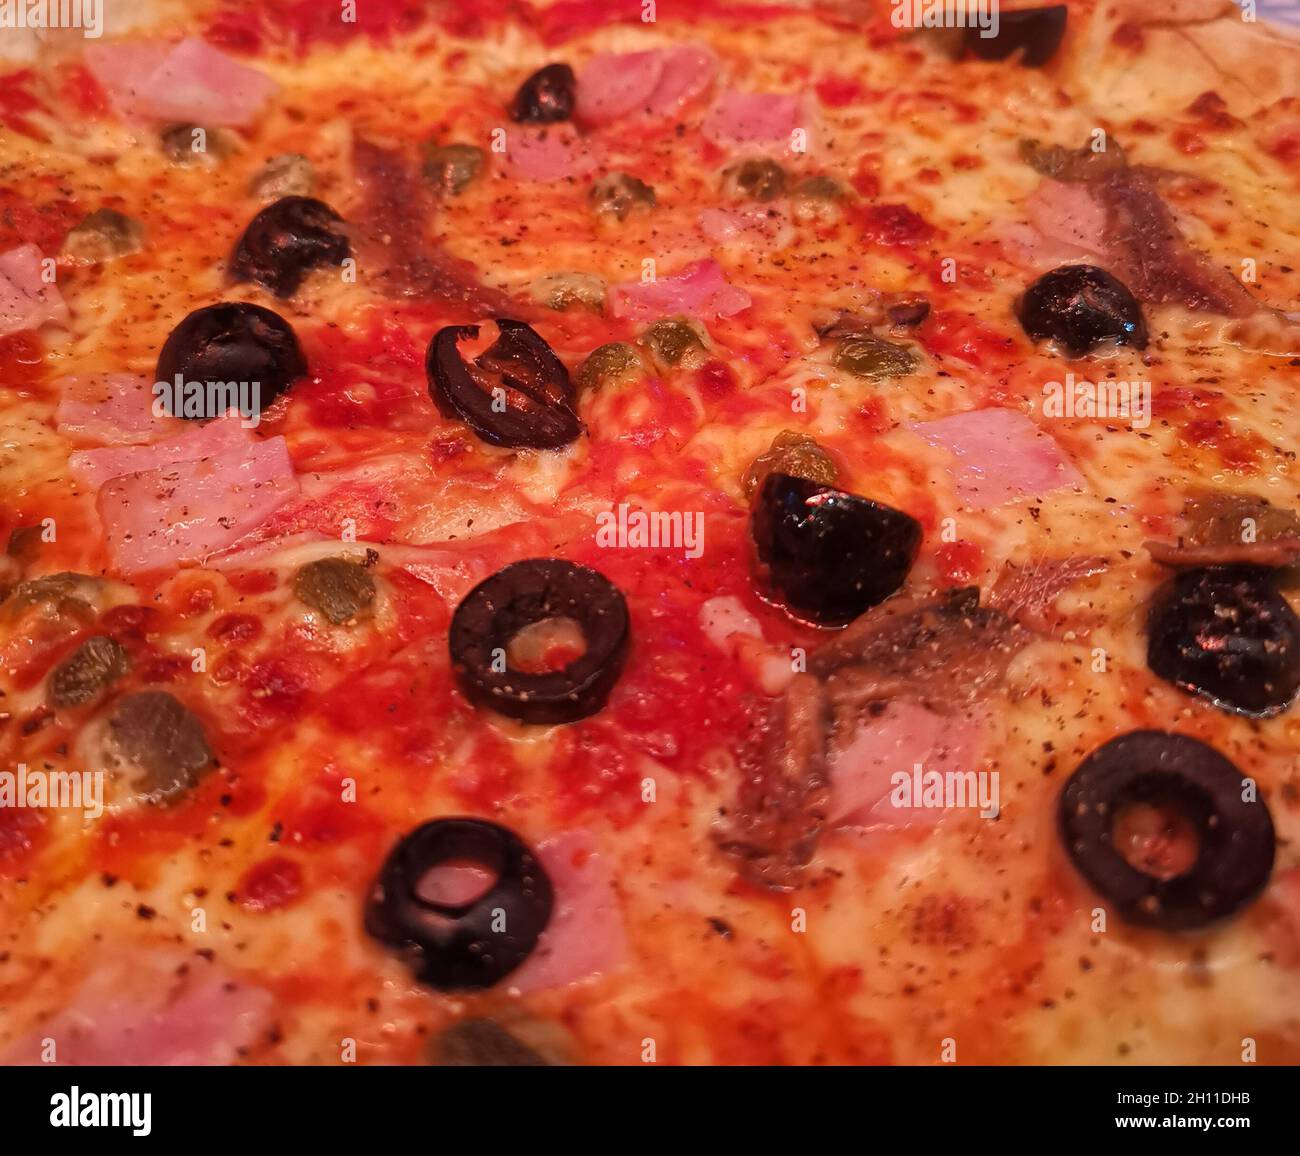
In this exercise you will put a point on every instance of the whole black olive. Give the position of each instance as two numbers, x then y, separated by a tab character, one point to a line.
826	554
545	97
461	943
1233	828
1225	632
523	594
1082	306
516	392
230	343
1037	30
285	241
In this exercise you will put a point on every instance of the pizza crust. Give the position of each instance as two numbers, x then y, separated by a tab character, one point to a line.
1141	62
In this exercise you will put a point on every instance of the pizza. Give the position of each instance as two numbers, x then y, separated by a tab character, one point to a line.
617	533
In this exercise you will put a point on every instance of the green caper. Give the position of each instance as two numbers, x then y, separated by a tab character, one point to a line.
54	595
754	179
791	453
820	187
676	341
286	175
87	672
607	365
873	358
817	197
158	744
617	195
483	1043
188	144
103	236
450	168
562	290
338	587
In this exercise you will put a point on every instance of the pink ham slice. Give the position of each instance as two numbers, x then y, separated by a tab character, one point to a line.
1025	245
191	81
27	300
586	935
616	84
1000	456
1069	214
124	69
903	735
658	83
700	290
115	409
92	468
190	510
154	1008
754	117
554	153
688	72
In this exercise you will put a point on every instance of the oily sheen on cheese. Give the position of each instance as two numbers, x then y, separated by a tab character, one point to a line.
332	742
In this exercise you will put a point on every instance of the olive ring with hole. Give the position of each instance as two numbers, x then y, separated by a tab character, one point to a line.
467	943
523	594
1234	831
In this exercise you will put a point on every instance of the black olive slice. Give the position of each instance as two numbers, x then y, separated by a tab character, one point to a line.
523	594
515	393
1037	30
458	943
1226	633
1234	831
1082	307
546	97
826	554
285	241
233	343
